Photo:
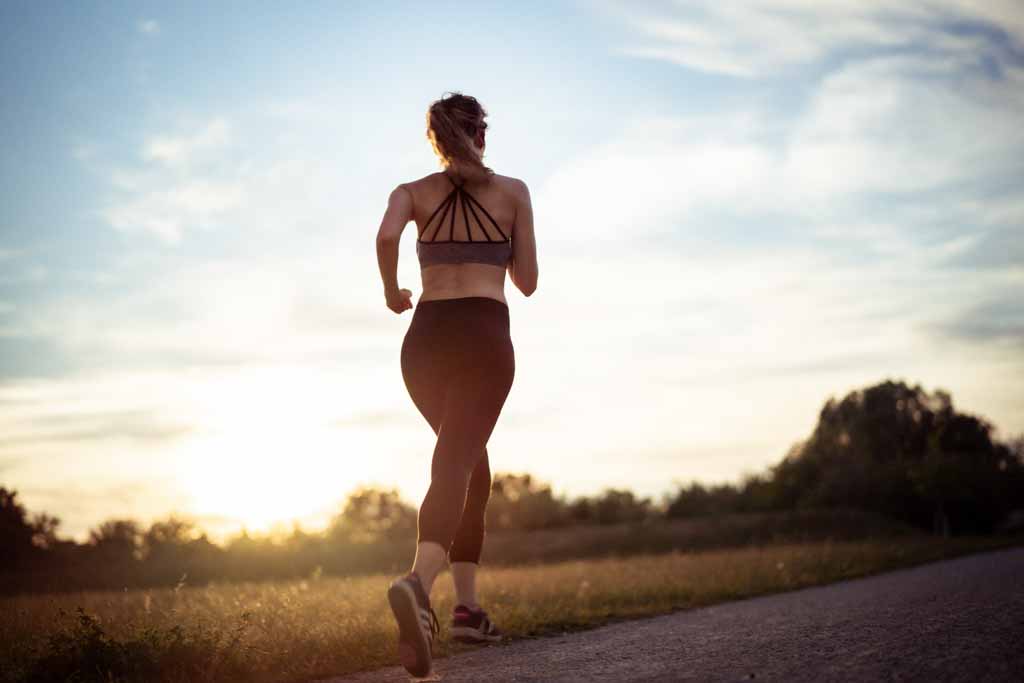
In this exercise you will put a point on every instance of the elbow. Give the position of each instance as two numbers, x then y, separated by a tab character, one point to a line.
385	240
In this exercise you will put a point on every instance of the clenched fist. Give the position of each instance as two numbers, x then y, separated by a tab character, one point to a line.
400	300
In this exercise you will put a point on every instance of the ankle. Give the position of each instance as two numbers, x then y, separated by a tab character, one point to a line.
424	589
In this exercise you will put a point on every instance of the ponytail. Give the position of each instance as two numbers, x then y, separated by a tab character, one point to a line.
451	129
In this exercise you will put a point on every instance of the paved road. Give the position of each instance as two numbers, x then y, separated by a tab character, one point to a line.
956	620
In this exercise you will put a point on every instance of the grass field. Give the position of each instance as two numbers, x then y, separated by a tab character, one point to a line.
319	627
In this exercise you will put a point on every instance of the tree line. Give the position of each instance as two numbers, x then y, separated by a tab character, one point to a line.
890	449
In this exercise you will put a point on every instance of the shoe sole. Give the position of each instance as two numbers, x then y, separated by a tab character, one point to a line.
467	634
413	646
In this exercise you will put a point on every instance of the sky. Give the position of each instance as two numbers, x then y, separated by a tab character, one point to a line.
741	209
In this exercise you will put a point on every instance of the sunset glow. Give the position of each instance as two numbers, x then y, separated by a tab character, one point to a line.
730	231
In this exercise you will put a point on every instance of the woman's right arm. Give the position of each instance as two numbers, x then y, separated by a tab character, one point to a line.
397	216
523	266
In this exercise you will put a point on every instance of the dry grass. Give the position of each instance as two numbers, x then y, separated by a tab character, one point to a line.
301	630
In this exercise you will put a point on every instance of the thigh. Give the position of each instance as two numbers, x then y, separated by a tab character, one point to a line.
426	378
473	401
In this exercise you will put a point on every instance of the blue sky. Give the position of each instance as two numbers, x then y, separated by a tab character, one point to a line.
741	210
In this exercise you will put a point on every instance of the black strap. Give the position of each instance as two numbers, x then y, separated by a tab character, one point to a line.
479	222
443	205
469	204
449	201
465	216
455	210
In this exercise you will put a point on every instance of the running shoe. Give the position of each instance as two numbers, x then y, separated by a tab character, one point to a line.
473	626
417	623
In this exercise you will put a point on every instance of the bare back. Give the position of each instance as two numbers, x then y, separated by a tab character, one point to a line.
501	197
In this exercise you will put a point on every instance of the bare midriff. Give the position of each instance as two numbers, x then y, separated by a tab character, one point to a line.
456	280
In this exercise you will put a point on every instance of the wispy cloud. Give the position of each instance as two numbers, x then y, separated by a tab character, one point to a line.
79	427
249	175
218	312
181	150
148	26
827	243
761	38
998	320
842	209
28	273
168	213
879	128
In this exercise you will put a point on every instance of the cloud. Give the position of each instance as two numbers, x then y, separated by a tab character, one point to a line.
84	151
28	274
758	38
181	150
168	213
301	283
828	244
997	320
657	170
77	427
884	148
187	182
149	26
252	176
218	312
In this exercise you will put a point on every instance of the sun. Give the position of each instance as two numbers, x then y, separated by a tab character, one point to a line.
270	453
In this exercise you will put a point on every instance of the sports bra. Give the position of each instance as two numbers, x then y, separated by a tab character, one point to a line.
485	249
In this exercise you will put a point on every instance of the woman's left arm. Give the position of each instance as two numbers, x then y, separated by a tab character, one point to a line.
397	216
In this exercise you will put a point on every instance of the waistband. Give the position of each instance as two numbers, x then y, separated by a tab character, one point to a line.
462	301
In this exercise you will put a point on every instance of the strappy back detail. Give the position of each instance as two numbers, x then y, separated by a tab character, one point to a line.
493	245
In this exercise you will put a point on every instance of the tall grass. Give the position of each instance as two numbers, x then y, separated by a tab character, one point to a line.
319	627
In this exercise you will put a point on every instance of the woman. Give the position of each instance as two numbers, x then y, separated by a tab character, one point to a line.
457	357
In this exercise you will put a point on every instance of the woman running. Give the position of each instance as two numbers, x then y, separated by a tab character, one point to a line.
457	357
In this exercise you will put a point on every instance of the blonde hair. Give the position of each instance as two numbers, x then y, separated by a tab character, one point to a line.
452	124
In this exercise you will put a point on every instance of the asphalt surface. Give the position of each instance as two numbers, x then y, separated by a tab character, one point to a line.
955	620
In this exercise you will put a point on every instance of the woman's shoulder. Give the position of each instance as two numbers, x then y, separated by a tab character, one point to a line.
430	178
512	185
437	175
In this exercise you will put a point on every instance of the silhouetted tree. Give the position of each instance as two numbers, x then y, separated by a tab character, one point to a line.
697	500
519	501
620	505
372	514
905	453
117	540
174	550
15	531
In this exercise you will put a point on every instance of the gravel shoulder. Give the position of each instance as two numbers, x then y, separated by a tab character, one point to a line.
954	620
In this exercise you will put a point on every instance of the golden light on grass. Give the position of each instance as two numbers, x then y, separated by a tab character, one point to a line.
306	629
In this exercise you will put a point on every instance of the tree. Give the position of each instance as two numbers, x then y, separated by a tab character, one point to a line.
44	530
620	505
519	501
15	530
697	500
905	453
117	540
372	514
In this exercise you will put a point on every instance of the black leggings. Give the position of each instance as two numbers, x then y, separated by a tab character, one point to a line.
458	364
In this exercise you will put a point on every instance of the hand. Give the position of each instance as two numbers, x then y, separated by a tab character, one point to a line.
400	300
